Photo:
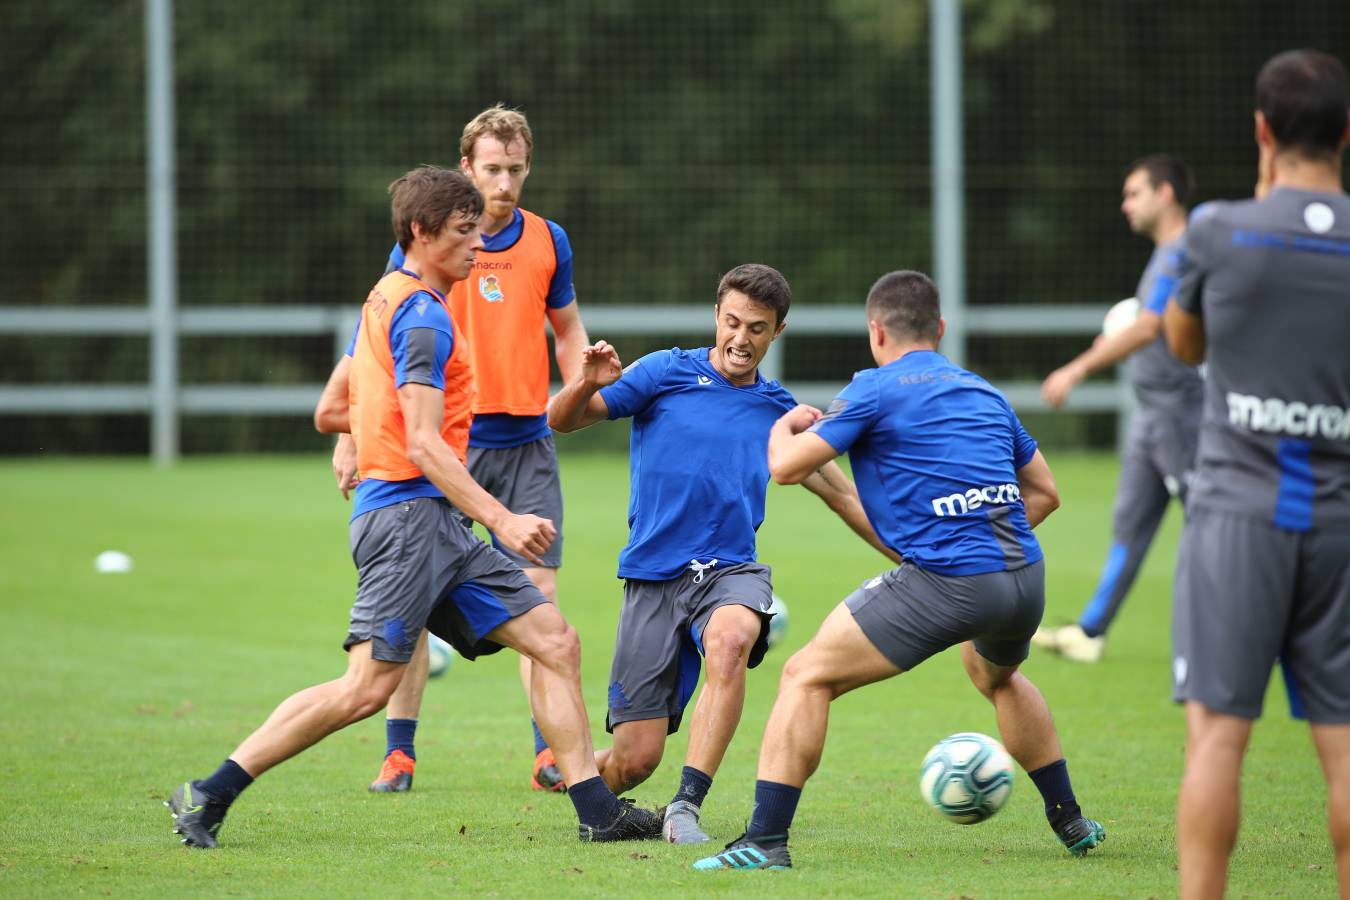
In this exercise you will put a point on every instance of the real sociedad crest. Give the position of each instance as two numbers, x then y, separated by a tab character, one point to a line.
490	289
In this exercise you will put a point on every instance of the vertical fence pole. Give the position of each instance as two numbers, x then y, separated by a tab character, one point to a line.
162	253
949	250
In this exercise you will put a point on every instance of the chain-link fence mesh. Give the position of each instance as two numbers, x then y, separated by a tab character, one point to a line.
672	142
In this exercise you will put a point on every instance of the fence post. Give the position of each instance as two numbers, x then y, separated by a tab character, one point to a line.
162	253
949	251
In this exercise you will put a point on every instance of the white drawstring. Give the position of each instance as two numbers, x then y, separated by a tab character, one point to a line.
699	568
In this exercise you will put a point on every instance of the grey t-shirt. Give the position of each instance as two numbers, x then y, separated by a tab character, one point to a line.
1160	380
1271	279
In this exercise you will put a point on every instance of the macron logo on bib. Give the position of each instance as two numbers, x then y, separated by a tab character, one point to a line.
961	503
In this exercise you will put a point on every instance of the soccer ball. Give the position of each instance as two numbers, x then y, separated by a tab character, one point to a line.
1120	317
779	623
966	777
440	655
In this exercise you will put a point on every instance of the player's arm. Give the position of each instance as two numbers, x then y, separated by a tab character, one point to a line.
423	407
1104	352
580	403
569	339
1185	334
840	494
332	416
1040	497
795	454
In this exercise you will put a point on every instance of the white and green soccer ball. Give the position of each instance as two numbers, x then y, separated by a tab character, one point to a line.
779	623
439	656
967	777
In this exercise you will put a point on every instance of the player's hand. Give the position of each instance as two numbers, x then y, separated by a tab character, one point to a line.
1056	387
800	418
530	536
344	465
600	365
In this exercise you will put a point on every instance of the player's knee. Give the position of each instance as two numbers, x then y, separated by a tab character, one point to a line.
801	672
365	698
635	768
727	651
558	648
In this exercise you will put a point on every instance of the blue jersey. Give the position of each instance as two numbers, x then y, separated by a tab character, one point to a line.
935	452
421	339
698	461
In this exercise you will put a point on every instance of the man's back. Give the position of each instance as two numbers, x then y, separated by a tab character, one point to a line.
1271	279
935	452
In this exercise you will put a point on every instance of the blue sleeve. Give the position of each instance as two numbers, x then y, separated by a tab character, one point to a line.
1190	265
421	340
1164	283
850	414
356	332
560	289
396	259
638	385
1024	445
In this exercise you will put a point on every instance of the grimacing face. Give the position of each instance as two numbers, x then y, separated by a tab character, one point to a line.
745	329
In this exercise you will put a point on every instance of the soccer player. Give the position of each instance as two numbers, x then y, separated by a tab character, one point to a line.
1159	451
698	472
953	484
418	563
1264	567
522	279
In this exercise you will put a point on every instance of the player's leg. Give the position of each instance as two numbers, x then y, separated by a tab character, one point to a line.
546	776
1208	807
1333	746
839	658
729	636
1232	601
400	725
557	704
635	753
1140	504
300	721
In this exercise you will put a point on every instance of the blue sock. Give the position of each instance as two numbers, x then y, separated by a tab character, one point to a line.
775	805
540	745
595	802
693	786
398	734
226	783
1053	783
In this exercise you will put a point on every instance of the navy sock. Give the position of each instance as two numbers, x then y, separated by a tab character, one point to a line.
693	786
398	734
775	805
540	745
595	802
1053	783
225	783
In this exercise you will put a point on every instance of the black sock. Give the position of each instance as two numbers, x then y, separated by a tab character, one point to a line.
1053	783
595	802
775	805
693	786
226	783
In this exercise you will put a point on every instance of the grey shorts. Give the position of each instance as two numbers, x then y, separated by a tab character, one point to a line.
1248	593
910	613
525	480
660	640
419	566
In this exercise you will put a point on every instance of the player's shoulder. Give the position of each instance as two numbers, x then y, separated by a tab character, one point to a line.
557	231
422	309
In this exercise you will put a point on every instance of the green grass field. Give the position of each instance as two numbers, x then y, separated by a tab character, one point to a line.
116	687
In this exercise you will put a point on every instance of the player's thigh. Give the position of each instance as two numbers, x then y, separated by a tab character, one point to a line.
540	632
486	592
1172	448
1232	598
839	657
1316	653
1141	495
731	604
656	664
403	564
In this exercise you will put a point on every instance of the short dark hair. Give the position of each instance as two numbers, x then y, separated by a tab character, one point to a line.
429	195
1164	168
906	304
763	284
1304	96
